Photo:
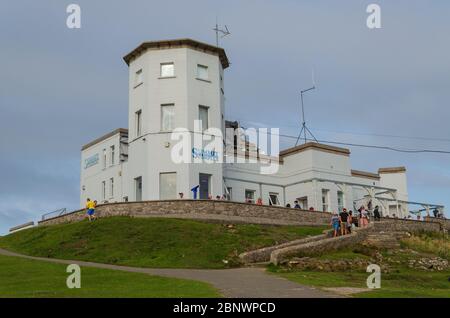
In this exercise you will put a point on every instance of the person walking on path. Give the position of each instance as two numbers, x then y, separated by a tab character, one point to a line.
344	218
335	220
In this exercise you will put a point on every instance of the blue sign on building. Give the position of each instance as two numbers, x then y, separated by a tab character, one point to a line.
91	161
205	154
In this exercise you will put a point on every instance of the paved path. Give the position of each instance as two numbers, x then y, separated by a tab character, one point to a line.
239	282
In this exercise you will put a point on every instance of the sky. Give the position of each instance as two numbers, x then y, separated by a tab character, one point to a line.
61	88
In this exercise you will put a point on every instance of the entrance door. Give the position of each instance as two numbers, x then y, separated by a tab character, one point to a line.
138	187
204	181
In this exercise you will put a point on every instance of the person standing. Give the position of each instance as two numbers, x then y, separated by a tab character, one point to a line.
376	214
335	220
350	221
344	218
296	205
364	219
90	206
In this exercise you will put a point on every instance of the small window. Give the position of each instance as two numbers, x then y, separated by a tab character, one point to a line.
104	158
167	117
168	186
138	116
138	79
273	199
167	70
202	72
250	196
112	154
203	116
111	187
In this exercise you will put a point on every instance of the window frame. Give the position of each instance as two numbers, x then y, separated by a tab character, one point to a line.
203	107
161	65
138	123
198	74
162	129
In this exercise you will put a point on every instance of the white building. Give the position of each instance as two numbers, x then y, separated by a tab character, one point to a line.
175	82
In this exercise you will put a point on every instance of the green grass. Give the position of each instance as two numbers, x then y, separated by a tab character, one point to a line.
401	281
29	278
429	243
404	284
151	242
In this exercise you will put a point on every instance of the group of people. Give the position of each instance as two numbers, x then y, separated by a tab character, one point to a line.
90	209
343	223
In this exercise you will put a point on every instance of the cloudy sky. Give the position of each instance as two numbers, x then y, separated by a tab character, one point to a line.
61	88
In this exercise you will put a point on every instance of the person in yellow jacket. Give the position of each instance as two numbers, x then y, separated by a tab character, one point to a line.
90	206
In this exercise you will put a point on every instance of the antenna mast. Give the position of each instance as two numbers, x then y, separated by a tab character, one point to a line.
305	129
223	32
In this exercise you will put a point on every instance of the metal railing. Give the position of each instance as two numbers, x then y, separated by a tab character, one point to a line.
53	214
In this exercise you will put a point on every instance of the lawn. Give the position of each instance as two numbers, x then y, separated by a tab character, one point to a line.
151	242
29	278
401	281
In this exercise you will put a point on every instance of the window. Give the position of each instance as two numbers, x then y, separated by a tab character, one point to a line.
104	159
138	116
103	190
273	199
167	117
202	72
138	188
340	198
167	70
167	186
229	194
325	200
250	196
111	187
112	154
203	116
138	78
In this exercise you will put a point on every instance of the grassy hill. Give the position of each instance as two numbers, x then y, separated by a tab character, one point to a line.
29	278
151	242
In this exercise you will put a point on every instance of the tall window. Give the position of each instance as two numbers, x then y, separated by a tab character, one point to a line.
103	190
167	70
203	116
250	196
325	200
111	187
138	120
202	72
138	78
112	151
167	186
340	198
167	117
229	194
104	159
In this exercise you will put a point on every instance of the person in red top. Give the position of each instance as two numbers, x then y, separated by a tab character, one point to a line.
259	201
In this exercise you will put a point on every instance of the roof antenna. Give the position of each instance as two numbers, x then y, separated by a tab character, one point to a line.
223	32
305	129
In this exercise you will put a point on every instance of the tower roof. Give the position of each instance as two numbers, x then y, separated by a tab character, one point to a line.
178	43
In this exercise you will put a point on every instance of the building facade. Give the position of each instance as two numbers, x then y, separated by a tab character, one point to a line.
180	83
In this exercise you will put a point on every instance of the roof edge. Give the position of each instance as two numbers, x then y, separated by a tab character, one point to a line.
316	146
186	42
364	174
104	137
392	169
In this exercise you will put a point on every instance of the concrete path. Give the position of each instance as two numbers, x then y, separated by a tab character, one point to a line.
236	283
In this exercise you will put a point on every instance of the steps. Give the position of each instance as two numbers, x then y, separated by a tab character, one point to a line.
385	240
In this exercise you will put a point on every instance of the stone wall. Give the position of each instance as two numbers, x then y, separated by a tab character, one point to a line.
206	209
392	225
321	246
